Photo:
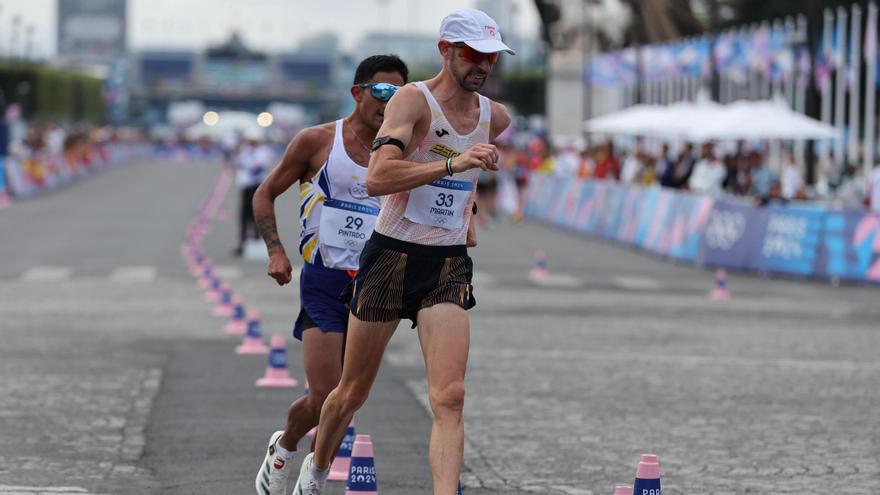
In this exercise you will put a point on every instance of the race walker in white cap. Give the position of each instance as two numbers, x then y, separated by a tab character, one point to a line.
432	146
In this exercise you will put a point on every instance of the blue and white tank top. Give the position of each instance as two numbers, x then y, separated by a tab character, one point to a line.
336	214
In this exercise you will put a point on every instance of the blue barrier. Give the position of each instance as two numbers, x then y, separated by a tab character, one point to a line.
2	174
799	239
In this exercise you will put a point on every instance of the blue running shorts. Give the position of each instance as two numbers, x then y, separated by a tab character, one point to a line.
320	304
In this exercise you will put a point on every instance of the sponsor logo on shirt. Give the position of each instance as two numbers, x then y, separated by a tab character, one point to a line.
444	151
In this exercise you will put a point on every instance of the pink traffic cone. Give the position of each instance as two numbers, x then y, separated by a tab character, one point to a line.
5	199
277	374
539	270
201	266
342	461
362	473
212	295
237	325
647	476
623	490
720	292
228	300
253	339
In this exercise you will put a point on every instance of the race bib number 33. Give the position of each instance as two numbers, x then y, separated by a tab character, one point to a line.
439	204
347	225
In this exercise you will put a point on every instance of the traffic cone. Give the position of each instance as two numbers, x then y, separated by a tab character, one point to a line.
236	324
720	292
198	267
207	278
342	461
226	303
647	476
253	339
623	490
277	374
212	295
5	199
362	474
539	270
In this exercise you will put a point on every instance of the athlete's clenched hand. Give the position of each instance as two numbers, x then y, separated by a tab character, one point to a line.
481	155
279	268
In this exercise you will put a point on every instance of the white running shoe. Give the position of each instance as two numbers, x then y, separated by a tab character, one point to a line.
306	484
273	473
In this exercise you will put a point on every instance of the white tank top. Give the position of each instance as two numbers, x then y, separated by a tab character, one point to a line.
437	214
336	214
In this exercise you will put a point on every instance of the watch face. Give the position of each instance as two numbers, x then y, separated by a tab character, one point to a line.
380	141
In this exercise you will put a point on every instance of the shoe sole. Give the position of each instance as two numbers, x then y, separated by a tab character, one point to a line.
261	483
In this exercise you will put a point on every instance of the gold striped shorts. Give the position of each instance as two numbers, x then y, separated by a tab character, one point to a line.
397	278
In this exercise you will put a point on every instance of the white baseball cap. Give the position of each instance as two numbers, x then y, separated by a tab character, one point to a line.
474	28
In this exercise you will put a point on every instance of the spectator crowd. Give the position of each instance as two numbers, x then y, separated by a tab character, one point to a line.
746	170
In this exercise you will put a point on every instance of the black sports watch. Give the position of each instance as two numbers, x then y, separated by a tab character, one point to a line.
382	141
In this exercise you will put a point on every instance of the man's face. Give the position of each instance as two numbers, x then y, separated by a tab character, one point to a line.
368	108
469	67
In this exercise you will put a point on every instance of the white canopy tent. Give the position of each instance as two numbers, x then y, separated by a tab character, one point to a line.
706	120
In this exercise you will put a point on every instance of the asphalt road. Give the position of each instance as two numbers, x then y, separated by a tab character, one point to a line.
115	378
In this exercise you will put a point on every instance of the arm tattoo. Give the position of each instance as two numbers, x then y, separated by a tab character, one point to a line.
269	231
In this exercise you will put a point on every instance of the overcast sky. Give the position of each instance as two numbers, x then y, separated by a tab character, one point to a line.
272	25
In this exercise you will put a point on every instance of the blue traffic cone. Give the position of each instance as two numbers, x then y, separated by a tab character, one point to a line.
720	292
253	339
362	474
237	324
277	374
342	461
647	476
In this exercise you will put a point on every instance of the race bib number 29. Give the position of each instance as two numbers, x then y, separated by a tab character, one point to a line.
347	225
439	204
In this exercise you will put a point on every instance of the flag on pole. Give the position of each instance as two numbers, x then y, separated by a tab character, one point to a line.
871	41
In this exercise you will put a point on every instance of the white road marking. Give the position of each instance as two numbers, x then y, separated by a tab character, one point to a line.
635	283
46	274
133	274
42	490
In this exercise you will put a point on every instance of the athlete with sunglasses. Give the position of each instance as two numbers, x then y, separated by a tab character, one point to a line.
337	216
431	148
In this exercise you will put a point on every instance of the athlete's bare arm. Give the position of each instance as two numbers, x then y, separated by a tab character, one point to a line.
388	173
296	164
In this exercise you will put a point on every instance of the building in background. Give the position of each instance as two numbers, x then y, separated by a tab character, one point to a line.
231	76
92	34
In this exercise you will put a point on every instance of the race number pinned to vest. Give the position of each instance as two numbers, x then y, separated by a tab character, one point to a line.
440	203
346	225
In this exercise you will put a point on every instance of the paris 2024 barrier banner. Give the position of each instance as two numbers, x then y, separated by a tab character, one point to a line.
797	239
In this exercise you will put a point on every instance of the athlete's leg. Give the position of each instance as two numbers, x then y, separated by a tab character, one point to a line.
364	348
322	360
444	333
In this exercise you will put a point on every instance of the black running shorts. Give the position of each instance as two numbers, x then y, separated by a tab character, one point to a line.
397	278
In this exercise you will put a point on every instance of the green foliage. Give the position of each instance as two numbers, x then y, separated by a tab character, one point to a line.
525	91
52	94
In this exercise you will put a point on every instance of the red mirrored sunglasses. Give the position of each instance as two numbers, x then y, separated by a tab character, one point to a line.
468	54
